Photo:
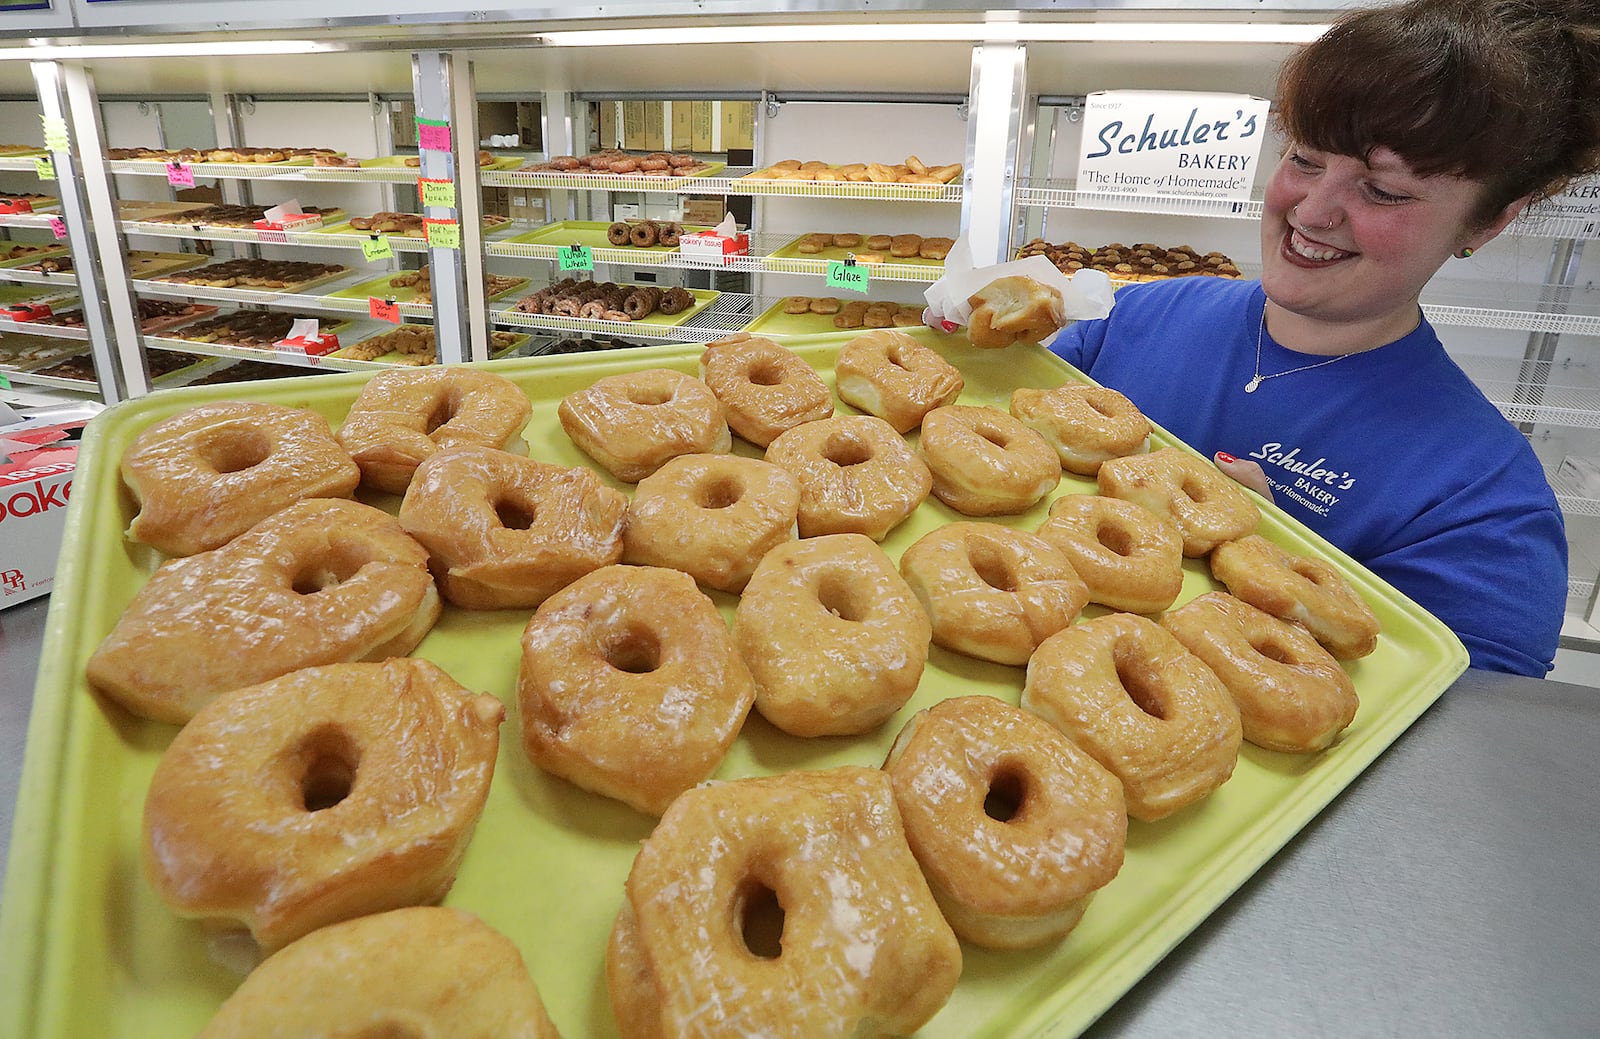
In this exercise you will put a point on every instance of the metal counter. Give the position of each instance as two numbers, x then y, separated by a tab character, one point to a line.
1450	891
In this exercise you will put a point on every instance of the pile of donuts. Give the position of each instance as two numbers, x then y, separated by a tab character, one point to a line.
912	171
643	234
605	300
1142	261
324	785
614	160
857	313
876	248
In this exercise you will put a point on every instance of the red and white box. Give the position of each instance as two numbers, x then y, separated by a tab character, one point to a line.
305	337
288	217
38	456
716	246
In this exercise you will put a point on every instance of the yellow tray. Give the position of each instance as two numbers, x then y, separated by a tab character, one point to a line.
774	322
591	233
86	948
518	340
380	288
703	298
791	251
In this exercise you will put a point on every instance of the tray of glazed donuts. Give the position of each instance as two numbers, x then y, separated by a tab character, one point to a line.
879	670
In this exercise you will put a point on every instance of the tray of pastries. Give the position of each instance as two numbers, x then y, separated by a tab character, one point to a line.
616	162
230	215
253	329
415	344
155	315
662	870
911	170
880	247
142	263
1142	261
80	367
248	273
239	155
660	236
821	315
403	225
416	286
21	254
585	299
22	353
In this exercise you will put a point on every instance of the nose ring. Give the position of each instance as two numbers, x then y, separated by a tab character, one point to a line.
1294	211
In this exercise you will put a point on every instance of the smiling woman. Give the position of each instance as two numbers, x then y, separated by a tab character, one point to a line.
1414	133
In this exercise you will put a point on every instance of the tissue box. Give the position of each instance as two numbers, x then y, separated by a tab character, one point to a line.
711	247
311	346
37	459
15	205
291	222
25	311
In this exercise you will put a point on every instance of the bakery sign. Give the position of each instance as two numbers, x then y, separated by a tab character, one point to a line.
1139	144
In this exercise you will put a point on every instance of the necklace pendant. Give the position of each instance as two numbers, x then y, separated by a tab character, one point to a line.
1252	385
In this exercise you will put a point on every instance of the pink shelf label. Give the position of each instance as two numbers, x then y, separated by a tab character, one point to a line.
58	227
433	136
179	175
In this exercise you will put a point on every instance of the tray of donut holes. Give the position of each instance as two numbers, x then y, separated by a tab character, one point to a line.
577	880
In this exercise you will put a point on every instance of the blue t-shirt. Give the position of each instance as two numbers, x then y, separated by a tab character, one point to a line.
1392	454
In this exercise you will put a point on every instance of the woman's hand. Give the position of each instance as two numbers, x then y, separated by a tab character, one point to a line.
1246	472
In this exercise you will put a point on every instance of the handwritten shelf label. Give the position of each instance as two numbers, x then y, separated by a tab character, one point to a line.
577	258
45	167
384	309
442	234
376	247
180	175
433	134
848	275
437	192
58	227
56	138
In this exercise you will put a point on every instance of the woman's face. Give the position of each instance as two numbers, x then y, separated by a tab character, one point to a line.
1349	240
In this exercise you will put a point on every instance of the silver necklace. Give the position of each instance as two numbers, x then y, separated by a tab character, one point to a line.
1257	379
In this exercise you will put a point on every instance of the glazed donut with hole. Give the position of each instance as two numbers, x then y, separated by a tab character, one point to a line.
1130	558
631	423
422	970
1014	827
786	906
857	476
712	516
833	636
1208	506
319	796
1291	693
630	686
208	474
986	463
1309	592
1142	705
992	592
889	374
325	581
1085	425
506	532
403	416
765	388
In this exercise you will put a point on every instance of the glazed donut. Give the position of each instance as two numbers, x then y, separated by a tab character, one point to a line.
624	165
630	686
1014	827
1142	705
505	532
208	474
633	422
889	374
984	462
436	970
711	516
319	796
619	233
765	388
1208	507
1086	425
856	475
324	581
1309	592
695	948
1291	693
992	592
1130	558
643	234
833	636
404	415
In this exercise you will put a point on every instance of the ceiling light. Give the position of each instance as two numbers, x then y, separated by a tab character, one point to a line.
971	32
92	51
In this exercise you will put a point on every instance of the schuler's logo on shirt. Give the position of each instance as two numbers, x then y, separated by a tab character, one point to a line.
1312	484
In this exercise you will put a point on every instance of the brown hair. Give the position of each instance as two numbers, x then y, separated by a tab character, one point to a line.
1503	92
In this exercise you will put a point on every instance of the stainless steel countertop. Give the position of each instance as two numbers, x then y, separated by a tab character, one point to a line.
1450	891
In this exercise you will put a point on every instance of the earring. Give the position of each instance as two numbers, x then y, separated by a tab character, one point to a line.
1464	253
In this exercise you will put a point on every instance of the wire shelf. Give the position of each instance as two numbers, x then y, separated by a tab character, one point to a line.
1064	194
66	281
732	181
322	239
1571	495
727	313
37	328
1540	393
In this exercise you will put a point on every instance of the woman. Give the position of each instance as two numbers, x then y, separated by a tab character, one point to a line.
1414	133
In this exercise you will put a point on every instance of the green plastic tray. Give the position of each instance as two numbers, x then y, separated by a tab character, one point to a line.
591	233
380	288
795	327
86	949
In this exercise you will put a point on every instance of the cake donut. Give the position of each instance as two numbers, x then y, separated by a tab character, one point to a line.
820	856
835	640
856	475
630	686
324	581
319	796
765	388
984	462
712	516
404	415
1142	705
1014	827
633	422
422	970
208	474
889	374
1086	425
1309	592
1291	693
1130	558
992	592
1208	506
506	532
619	233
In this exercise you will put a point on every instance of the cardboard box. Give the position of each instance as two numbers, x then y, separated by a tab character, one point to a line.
682	126
633	123
38	457
701	125
608	123
738	125
655	132
705	210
